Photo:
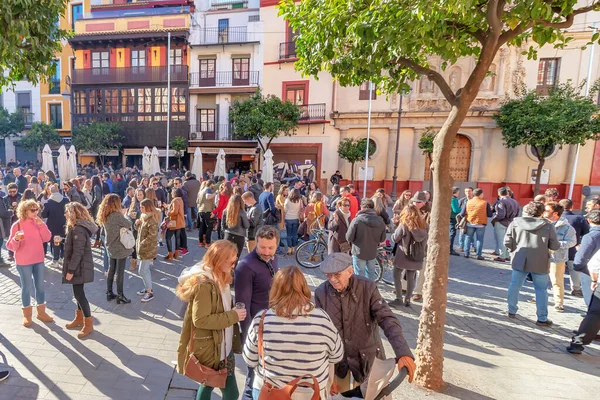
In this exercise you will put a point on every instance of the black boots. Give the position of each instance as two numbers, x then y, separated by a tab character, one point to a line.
110	296
122	299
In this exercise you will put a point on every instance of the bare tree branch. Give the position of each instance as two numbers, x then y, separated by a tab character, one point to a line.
477	34
432	76
494	22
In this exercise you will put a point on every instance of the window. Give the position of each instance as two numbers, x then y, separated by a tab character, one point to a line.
223	30
241	71
207	68
56	116
548	70
96	102
363	91
128	104
100	59
296	94
111	101
80	102
24	104
144	104
76	14
207	120
176	56
138	58
178	103
54	82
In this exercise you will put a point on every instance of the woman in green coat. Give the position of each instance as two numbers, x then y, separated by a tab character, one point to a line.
211	317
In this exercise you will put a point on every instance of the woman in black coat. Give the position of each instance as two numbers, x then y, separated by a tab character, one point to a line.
54	211
338	226
78	268
96	200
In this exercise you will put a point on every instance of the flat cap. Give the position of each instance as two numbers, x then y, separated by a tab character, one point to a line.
335	263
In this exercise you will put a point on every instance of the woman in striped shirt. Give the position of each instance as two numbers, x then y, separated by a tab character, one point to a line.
298	338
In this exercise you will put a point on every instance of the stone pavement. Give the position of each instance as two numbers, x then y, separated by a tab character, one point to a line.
130	354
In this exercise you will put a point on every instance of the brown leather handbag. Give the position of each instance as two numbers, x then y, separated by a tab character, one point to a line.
200	373
270	392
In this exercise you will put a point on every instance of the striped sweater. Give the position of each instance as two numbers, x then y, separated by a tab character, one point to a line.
293	348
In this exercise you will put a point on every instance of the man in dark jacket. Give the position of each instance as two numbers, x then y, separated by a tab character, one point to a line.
192	186
505	210
357	310
253	279
335	196
254	213
581	227
256	189
20	180
266	200
5	224
365	233
590	244
54	211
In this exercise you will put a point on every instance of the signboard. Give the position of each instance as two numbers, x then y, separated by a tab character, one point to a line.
545	178
66	140
361	174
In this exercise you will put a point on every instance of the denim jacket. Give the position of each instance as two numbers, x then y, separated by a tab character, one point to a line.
590	244
567	239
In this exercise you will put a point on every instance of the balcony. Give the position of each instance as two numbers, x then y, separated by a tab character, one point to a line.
311	113
287	51
134	3
92	76
224	78
228	4
54	86
232	34
207	132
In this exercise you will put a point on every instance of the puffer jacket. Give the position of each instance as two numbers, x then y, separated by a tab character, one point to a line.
112	227
357	313
78	253
567	239
147	238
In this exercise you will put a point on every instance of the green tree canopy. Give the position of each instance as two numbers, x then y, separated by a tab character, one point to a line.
179	146
98	137
353	151
11	124
391	43
29	39
563	117
38	136
263	118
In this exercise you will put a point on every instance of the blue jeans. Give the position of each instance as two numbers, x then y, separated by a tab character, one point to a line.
145	273
586	283
291	226
283	243
364	268
453	231
32	281
470	236
189	222
540	283
499	233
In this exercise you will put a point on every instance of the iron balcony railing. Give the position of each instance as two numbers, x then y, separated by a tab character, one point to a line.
179	73
228	4
224	78
54	86
312	112
214	132
287	50
232	34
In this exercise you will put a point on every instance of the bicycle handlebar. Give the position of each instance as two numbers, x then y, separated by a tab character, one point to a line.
393	385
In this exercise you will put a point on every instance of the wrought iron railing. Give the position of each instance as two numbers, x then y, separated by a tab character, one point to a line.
224	78
232	34
312	112
54	86
179	73
287	50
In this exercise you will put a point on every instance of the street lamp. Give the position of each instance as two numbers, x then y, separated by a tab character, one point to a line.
67	94
393	194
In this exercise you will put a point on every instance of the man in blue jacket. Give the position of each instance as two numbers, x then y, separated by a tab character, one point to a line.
581	227
590	244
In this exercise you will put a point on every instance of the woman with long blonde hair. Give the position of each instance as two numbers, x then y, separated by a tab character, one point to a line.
291	321
211	319
410	234
78	268
235	222
26	239
112	220
402	201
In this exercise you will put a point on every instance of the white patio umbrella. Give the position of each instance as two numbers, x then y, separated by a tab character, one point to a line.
220	169
155	163
47	163
267	171
146	161
63	164
72	162
197	165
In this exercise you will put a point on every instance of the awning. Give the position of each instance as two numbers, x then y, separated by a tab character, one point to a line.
112	153
139	152
228	150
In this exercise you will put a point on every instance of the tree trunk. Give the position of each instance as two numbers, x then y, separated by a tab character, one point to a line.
430	159
352	173
101	157
430	340
538	176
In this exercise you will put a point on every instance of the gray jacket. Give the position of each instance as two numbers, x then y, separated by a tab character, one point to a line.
112	228
529	239
402	236
567	239
240	228
78	253
365	233
255	220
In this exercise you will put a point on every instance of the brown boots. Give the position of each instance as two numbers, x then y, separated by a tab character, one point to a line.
41	314
77	322
176	255
169	256
80	321
27	312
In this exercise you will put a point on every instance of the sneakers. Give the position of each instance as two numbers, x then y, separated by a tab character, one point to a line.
4	375
577	293
453	253
200	244
55	264
559	308
500	259
544	323
575	348
147	297
141	292
183	252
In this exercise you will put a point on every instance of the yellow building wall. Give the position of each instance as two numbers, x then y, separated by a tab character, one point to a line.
120	24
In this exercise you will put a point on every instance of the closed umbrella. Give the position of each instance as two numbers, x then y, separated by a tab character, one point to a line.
72	162
220	167
155	164
267	175
47	164
146	161
197	165
63	164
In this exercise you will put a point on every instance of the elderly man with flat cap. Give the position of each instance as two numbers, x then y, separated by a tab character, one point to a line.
356	308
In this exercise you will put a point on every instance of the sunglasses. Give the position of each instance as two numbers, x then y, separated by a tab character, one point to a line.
346	205
34	209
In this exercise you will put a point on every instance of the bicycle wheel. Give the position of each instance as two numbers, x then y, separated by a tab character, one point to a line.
387	274
378	270
311	254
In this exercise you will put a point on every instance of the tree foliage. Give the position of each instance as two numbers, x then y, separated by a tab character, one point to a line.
353	151
392	43
563	117
263	118
179	146
29	39
38	136
426	144
98	137
11	124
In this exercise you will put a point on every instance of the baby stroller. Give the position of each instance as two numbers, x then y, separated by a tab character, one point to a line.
380	383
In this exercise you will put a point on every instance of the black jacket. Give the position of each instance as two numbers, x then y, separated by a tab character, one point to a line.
254	214
78	253
5	220
581	226
55	212
22	182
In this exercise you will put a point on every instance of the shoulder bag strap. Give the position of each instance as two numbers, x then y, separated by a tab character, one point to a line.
261	343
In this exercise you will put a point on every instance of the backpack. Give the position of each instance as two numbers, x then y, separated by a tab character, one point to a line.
415	251
83	198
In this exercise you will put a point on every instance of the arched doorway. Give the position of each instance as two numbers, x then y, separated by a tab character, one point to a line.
460	160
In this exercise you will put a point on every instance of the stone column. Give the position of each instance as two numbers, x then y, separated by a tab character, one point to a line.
417	159
391	153
484	157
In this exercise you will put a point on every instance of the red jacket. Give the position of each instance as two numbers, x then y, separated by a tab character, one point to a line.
223	200
353	205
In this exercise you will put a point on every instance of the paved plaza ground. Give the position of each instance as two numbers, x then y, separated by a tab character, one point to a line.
130	353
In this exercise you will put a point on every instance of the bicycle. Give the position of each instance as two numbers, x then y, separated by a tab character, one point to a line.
385	261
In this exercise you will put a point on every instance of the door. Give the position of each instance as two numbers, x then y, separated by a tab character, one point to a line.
207	73
223	30
460	160
241	72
